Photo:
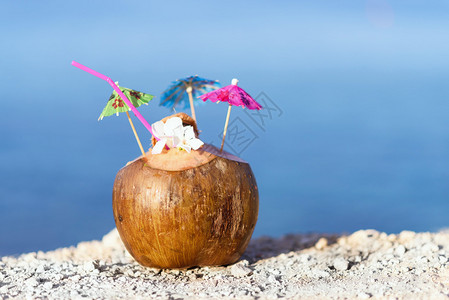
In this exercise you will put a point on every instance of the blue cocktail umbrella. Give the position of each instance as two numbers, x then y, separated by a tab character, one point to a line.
187	90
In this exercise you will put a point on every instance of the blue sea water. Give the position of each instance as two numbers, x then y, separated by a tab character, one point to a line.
355	134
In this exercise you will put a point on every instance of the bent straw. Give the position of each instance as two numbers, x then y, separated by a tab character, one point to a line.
124	98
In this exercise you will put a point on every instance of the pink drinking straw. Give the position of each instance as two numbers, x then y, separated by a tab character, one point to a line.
115	87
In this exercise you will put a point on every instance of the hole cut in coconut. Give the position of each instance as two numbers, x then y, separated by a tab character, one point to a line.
177	160
186	121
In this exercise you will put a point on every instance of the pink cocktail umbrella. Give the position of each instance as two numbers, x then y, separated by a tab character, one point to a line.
234	95
117	89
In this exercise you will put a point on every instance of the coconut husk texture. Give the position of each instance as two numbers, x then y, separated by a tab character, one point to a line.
180	210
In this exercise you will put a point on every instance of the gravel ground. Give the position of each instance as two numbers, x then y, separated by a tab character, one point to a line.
366	264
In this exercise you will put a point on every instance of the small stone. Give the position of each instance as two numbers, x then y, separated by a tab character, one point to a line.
321	244
429	248
320	274
48	285
30	257
341	264
174	272
364	295
89	266
239	270
271	279
57	268
391	237
58	277
31	282
282	256
406	236
305	258
400	250
40	269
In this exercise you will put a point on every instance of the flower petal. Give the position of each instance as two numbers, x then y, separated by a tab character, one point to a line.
195	143
179	132
189	133
159	146
158	129
171	124
169	142
177	141
185	147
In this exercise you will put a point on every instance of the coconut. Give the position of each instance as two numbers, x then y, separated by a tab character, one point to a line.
179	210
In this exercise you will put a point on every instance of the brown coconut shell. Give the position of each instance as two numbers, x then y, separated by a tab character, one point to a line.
179	210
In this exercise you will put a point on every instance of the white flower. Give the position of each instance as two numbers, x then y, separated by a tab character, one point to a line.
173	135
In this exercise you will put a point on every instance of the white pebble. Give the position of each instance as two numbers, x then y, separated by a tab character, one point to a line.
89	266
341	264
58	277
48	285
321	244
363	296
400	250
30	257
239	270
320	274
31	282
40	269
430	247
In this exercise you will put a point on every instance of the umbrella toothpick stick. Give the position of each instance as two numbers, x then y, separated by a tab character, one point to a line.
192	108
226	127
135	134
